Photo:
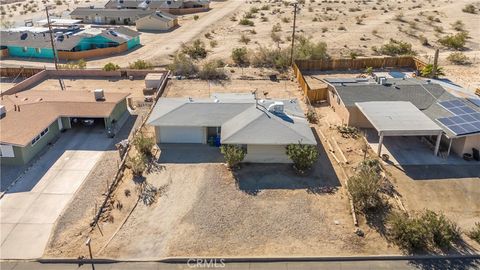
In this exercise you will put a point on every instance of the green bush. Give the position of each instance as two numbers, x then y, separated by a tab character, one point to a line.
80	64
144	144
137	164
456	42
396	47
111	67
373	164
183	66
407	233
470	9
244	39
458	25
140	64
302	155
233	154
442	231
365	189
305	49
196	51
475	232
271	58
424	231
427	71
458	58
212	70
240	56
246	21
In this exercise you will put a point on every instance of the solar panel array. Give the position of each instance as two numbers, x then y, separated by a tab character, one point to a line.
465	119
475	101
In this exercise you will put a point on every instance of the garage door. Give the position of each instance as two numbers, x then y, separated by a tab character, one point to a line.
181	135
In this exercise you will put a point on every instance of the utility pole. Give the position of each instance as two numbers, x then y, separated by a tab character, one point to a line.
55	55
293	33
51	39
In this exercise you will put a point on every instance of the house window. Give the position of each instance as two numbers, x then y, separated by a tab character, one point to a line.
38	50
39	136
25	49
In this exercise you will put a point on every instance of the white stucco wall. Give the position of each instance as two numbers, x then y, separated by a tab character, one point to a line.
464	145
266	154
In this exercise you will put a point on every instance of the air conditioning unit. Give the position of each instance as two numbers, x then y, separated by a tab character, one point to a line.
99	94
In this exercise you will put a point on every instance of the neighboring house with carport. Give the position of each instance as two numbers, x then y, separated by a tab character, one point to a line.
262	127
30	120
171	6
408	107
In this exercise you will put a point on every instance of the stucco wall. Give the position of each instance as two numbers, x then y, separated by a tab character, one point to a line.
117	114
149	24
357	118
464	145
25	154
30	52
266	154
337	106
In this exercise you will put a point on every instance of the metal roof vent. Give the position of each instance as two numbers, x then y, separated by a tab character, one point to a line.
276	107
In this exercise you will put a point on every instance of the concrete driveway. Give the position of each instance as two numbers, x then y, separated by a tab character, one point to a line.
30	207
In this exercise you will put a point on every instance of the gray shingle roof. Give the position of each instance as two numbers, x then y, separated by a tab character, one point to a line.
241	120
421	95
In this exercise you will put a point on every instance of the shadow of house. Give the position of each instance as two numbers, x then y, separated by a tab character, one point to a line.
436	172
189	153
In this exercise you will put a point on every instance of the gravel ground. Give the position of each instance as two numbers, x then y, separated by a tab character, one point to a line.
206	212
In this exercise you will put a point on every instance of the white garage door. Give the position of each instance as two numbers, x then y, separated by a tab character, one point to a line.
181	135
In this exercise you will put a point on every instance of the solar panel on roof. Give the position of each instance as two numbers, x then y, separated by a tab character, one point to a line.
465	119
475	101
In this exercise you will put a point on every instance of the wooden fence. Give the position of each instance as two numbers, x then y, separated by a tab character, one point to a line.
321	93
64	55
359	63
12	72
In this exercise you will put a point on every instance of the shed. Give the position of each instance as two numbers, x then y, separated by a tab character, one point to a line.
158	21
153	80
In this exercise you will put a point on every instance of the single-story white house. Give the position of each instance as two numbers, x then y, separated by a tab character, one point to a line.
263	127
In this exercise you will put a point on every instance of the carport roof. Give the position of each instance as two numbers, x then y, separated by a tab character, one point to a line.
40	108
398	118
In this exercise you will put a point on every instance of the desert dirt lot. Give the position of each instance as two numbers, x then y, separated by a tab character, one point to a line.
345	26
449	189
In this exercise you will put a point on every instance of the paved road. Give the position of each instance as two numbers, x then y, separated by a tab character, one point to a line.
158	46
30	207
464	264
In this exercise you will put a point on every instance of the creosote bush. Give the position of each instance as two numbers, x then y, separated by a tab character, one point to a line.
456	42
458	58
183	66
475	232
302	155
240	56
111	67
140	64
233	154
365	189
144	144
212	70
196	51
137	164
423	231
396	47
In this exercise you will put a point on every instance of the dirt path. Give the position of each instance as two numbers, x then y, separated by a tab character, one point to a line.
157	47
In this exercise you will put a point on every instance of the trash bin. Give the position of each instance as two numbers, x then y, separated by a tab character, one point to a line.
476	154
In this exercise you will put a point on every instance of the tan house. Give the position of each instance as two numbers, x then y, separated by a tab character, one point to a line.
458	118
157	21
